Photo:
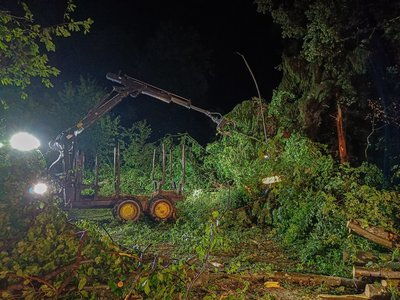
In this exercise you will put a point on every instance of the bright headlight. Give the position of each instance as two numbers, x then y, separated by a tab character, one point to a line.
24	141
40	188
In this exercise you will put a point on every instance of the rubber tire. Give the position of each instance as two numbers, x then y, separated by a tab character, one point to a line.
120	203
152	206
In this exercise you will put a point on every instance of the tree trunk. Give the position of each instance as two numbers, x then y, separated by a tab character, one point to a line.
341	136
376	291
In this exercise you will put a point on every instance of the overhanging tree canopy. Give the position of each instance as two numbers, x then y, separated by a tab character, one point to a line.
24	44
338	54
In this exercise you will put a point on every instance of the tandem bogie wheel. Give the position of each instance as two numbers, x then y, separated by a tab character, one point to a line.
128	210
161	209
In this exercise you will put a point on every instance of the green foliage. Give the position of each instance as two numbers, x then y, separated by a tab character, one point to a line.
309	208
211	239
73	102
317	197
239	156
197	235
46	256
15	165
24	43
40	252
139	176
332	52
281	109
168	283
43	256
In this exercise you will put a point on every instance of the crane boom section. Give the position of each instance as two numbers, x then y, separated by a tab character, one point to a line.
128	87
160	94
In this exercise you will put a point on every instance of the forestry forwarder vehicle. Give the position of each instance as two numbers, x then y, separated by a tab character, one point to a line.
160	205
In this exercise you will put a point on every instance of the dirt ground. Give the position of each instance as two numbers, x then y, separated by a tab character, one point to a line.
242	273
250	279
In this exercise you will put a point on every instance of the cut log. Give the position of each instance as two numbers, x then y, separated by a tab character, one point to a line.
372	291
377	235
360	272
342	297
376	291
315	280
297	278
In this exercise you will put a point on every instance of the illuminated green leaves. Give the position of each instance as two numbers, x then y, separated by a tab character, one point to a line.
21	40
82	282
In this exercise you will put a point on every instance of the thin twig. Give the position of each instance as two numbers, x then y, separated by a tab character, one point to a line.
104	228
369	136
135	257
259	95
251	73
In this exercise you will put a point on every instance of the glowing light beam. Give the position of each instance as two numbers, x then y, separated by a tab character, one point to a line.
24	141
40	188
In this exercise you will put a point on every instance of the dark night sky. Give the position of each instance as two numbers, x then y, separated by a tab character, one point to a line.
122	29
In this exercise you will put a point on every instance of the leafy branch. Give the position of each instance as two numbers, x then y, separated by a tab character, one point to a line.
22	41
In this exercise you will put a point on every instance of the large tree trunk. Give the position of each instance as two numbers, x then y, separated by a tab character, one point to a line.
341	136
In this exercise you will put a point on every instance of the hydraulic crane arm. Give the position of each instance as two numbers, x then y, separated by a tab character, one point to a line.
128	87
133	87
70	175
157	93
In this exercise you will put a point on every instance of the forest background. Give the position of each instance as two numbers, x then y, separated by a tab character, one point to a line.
330	131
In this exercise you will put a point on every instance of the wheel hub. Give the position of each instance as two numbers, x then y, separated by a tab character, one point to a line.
128	211
162	210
